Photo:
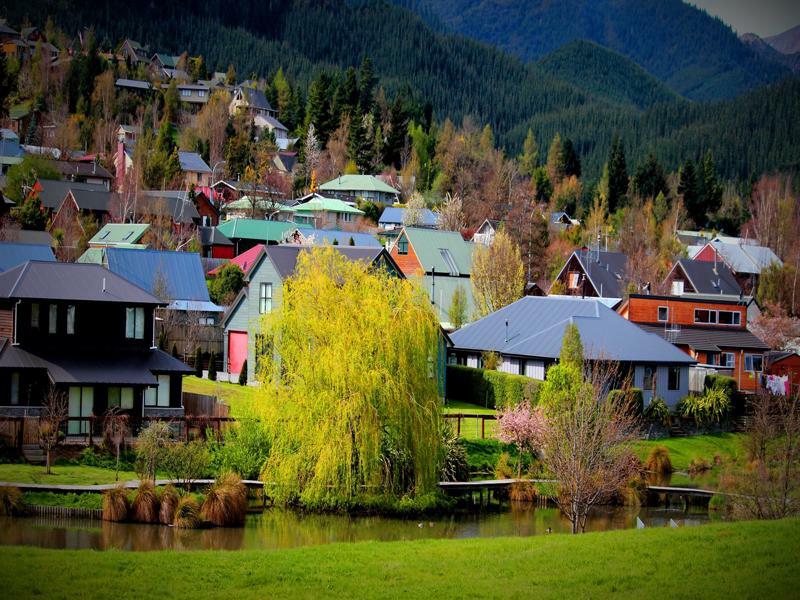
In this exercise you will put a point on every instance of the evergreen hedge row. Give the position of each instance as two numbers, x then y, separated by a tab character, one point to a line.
492	389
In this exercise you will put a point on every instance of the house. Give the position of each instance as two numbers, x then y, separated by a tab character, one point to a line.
15	253
244	261
745	258
27	236
246	233
352	188
89	333
321	212
594	273
253	103
84	172
177	205
528	333
195	170
53	192
784	363
78	207
272	266
11	153
133	52
561	221
136	86
701	277
285	162
441	261
229	190
269	207
325	237
214	244
486	232
190	319
393	217
713	332
120	235
164	61
127	134
193	94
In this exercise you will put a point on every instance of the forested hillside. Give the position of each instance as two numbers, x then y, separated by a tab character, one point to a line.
698	56
457	77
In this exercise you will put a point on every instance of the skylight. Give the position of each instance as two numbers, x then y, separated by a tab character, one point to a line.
449	261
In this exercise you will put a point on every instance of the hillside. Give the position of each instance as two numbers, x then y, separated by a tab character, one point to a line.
694	54
787	42
606	74
766	51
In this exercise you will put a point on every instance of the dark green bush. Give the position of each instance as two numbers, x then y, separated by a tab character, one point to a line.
243	374
212	367
657	412
198	362
492	389
633	396
728	384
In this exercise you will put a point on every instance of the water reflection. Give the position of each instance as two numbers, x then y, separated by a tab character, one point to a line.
277	528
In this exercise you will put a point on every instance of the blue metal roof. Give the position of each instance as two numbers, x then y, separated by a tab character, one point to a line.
13	254
536	329
182	272
393	215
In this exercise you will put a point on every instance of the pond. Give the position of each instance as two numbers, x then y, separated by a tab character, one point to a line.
276	528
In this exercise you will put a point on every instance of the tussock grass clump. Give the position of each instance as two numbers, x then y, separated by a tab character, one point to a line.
115	504
187	514
239	489
658	461
523	491
11	501
225	505
145	504
168	502
699	465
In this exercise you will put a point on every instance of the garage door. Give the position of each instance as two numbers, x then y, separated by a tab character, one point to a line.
237	350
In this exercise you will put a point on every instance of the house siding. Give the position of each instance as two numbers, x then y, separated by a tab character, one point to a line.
645	310
670	397
409	263
7	323
574	266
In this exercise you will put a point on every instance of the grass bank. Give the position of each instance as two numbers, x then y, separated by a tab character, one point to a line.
239	397
730	560
61	475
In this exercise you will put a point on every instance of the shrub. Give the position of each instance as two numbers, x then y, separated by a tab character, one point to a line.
728	384
151	448
145	503
657	411
212	367
491	360
225	504
168	503
187	513
699	465
523	491
633	396
658	461
504	469
175	351
492	389
245	449
186	462
712	407
198	362
482	455
11	501
115	504
243	374
454	466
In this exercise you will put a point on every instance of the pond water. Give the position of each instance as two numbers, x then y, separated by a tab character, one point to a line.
275	528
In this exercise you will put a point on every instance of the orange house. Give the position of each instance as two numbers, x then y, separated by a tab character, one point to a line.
714	332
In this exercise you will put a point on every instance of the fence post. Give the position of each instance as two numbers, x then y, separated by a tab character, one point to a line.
483	428
458	426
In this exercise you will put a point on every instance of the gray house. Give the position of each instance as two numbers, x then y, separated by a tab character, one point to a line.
528	334
271	268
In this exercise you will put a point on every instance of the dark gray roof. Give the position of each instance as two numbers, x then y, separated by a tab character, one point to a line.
95	200
174	203
15	253
77	168
28	236
54	191
255	98
707	278
536	329
605	270
284	257
132	367
778	355
212	236
134	84
708	339
70	281
192	161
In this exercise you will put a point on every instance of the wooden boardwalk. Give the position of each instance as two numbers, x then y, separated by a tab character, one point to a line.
98	488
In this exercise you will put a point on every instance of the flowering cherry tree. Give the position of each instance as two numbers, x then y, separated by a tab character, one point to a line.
522	426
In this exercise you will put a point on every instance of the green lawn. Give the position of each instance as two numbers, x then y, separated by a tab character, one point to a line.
239	397
62	474
730	560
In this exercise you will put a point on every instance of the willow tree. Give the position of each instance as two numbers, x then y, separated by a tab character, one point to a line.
350	370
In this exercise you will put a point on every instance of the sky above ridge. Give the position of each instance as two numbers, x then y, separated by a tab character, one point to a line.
763	17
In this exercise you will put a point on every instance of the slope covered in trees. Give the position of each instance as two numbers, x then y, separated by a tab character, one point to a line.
698	56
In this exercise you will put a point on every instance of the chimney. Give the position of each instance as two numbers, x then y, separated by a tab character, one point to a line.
506	340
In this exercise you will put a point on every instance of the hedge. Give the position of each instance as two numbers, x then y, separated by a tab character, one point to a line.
492	389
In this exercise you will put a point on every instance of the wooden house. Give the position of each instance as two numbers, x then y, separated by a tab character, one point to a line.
594	274
745	258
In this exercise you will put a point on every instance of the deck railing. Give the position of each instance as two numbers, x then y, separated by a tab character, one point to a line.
480	422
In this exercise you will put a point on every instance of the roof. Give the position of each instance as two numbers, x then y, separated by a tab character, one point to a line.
69	168
119	367
133	83
605	270
536	328
180	272
742	256
244	261
192	161
256	229
255	98
286	160
245	203
429	244
168	202
27	236
776	356
113	234
441	290
96	200
211	236
54	191
393	215
357	183
15	253
71	281
284	257
167	60
709	278
322	237
270	122
708	339
322	204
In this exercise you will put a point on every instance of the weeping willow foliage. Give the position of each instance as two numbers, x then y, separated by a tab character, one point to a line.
349	365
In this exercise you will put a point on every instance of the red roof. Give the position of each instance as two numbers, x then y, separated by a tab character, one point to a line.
244	261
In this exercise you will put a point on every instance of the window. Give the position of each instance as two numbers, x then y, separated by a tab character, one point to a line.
81	404
729	317
677	287
721	317
158	396
754	363
705	316
186	93
14	399
35	316
71	319
727	360
402	246
52	319
674	379
121	397
201	93
265	298
574	280
345	217
649	382
448	259
663	313
134	323
206	321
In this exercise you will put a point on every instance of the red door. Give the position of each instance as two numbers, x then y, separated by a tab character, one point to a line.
237	351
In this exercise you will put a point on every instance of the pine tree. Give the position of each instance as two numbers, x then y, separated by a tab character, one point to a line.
529	159
687	188
650	179
572	164
243	374
358	146
398	122
366	83
352	242
556	168
710	189
617	176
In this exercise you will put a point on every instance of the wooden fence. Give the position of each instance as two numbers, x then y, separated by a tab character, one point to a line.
64	512
480	422
195	405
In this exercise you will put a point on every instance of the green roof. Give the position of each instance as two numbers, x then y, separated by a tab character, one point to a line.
357	183
257	229
19	111
322	204
92	256
120	234
244	203
429	243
